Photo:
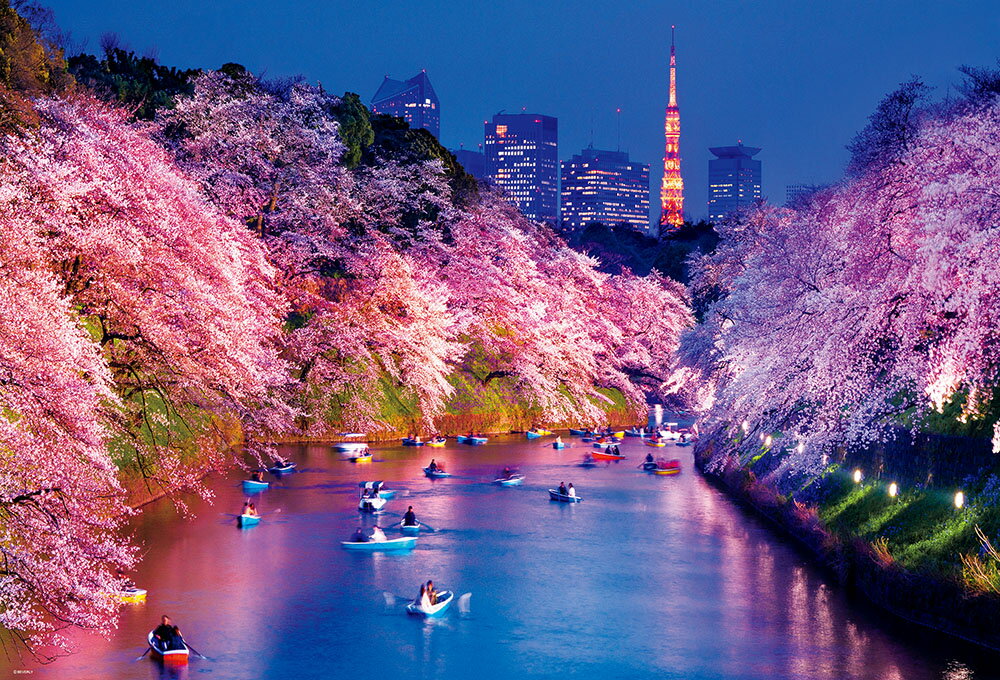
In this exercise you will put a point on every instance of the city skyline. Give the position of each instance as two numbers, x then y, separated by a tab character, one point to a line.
738	78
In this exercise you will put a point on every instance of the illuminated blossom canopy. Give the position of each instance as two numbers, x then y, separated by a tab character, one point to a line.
872	303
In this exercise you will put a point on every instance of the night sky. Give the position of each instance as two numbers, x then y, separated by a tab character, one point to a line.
796	78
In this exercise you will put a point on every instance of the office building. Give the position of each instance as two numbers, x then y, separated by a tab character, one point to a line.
474	162
733	180
413	100
522	160
604	186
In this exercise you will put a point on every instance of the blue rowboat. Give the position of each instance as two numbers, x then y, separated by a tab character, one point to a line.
436	474
387	494
532	435
559	445
248	520
588	439
410	441
388	545
252	485
474	441
278	468
410	529
562	497
682	443
444	601
577	432
649	466
513	480
587	463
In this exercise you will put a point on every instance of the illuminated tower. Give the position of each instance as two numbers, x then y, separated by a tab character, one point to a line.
672	188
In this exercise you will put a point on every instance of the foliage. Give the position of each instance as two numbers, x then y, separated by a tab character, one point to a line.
138	83
355	127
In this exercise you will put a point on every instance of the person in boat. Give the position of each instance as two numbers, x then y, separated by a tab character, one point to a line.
424	599
433	467
165	631
609	450
256	476
572	491
562	488
176	640
649	458
410	518
559	439
359	536
618	451
378	536
431	593
249	509
506	473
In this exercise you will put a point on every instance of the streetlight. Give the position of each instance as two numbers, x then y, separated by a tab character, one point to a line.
767	442
893	490
857	476
959	500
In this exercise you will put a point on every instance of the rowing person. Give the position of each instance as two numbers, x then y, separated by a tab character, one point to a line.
433	467
359	536
249	509
649	458
562	488
431	593
257	476
165	631
410	518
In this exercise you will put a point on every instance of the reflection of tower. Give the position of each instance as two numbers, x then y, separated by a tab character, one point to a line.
672	188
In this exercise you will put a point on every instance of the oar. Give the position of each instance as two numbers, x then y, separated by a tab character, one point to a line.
428	526
148	650
188	645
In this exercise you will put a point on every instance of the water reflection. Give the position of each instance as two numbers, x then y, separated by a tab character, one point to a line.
649	576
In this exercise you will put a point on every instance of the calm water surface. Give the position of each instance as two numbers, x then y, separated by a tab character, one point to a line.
648	577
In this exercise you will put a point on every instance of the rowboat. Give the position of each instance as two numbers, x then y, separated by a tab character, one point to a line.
411	441
587	463
680	443
132	595
656	444
370	499
279	467
365	457
390	544
410	529
617	435
350	447
603	455
649	466
667	471
170	657
636	433
252	485
474	441
531	434
436	474
513	480
437	443
563	497
559	445
248	520
578	432
444	599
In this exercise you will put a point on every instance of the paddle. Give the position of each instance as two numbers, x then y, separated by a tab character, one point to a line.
138	658
464	603
188	645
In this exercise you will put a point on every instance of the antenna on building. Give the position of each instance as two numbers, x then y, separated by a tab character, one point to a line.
461	145
619	112
591	128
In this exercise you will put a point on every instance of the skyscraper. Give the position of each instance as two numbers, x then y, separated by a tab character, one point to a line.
522	159
473	161
603	186
733	180
672	187
413	100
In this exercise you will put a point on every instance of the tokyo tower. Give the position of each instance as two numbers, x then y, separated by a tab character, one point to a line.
672	187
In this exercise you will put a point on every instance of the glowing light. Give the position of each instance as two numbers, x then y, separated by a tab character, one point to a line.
672	186
746	426
893	490
959	500
857	476
768	441
800	448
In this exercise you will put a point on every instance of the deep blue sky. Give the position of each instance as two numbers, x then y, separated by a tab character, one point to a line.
797	78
